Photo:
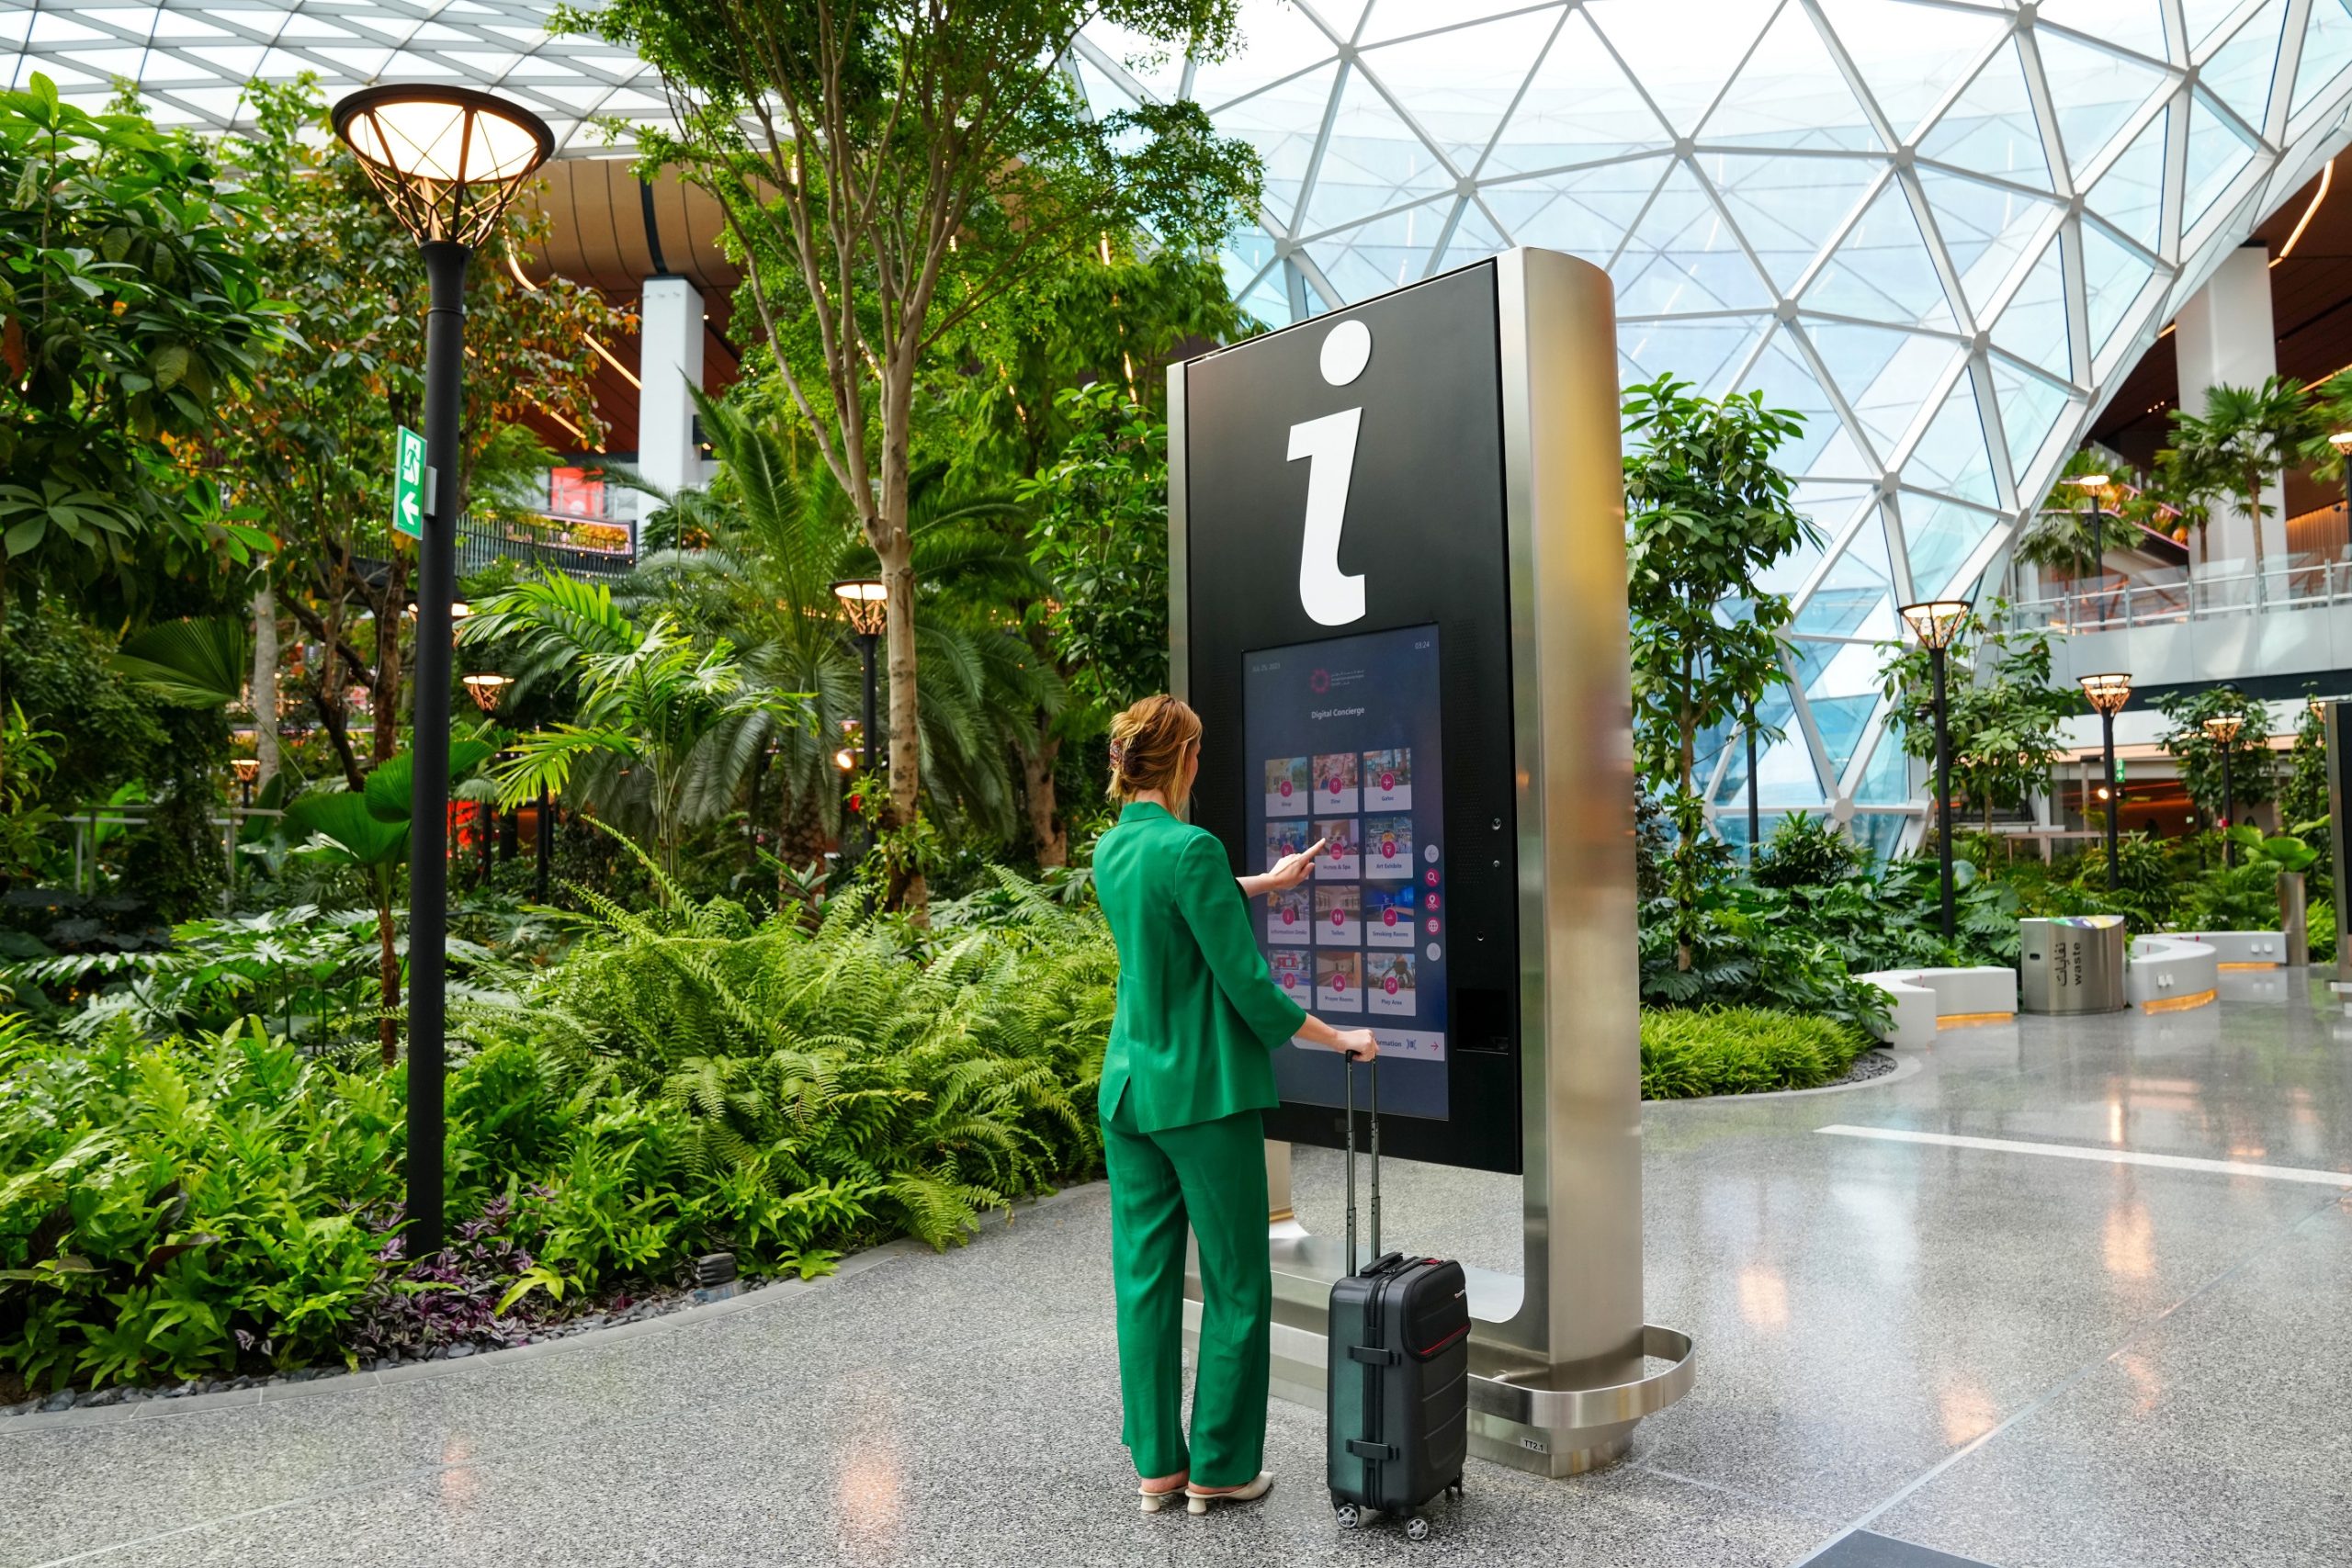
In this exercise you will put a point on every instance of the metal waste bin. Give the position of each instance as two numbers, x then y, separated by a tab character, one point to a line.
2071	964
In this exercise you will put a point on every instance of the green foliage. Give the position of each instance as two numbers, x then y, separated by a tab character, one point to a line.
1742	1050
2242	897
1100	535
2282	851
130	307
1108	320
116	744
24	816
2075	523
61	671
1805	851
1742	950
198	663
184	1210
2145	879
650	697
368	832
307	971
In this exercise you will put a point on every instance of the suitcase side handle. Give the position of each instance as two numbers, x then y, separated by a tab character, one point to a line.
1374	1355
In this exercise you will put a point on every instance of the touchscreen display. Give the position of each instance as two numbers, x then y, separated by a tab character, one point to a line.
1344	734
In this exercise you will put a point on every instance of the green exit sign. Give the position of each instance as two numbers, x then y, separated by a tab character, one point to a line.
408	484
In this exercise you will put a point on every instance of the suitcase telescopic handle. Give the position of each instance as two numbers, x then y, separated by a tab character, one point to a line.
1347	1066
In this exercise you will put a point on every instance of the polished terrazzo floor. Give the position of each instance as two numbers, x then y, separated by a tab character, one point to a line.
2013	1359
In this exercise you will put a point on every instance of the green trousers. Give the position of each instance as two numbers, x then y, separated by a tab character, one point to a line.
1211	1175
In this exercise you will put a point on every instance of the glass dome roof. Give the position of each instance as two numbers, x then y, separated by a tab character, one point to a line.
192	61
1942	232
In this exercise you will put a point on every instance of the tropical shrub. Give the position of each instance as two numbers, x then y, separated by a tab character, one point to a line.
206	1204
180	1209
2145	880
1744	952
1805	851
2230	898
310	975
1701	1051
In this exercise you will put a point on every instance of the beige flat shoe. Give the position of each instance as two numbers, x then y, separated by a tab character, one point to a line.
1197	1501
1152	1502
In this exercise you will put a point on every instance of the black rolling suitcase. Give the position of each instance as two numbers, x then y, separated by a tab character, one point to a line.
1399	1381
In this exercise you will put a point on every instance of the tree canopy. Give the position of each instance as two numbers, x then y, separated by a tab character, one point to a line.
896	173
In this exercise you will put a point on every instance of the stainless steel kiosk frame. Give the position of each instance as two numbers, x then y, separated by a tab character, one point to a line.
1561	1353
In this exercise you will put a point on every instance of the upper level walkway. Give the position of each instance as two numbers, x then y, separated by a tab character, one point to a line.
2226	623
2061	1294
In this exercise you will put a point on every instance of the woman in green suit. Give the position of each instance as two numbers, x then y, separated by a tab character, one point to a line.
1187	1074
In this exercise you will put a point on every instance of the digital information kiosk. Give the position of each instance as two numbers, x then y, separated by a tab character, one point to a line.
1397	538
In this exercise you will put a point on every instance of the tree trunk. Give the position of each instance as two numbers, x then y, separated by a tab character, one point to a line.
895	550
387	666
800	843
1689	823
1045	816
389	973
330	720
2254	522
265	682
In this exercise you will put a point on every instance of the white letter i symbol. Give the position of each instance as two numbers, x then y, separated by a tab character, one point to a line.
1333	598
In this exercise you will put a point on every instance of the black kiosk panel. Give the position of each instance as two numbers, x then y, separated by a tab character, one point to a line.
1344	626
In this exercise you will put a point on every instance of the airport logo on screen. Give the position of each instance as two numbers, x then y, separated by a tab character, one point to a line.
1332	597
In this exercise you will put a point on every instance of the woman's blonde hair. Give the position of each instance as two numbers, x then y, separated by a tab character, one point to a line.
1148	746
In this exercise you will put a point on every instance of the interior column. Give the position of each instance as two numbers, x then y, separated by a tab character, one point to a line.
2225	337
669	336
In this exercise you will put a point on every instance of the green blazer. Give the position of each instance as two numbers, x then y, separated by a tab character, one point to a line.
1199	1017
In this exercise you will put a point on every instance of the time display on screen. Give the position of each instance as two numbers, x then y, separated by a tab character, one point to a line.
1342	736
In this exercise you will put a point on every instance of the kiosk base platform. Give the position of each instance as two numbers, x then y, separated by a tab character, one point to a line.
1548	1420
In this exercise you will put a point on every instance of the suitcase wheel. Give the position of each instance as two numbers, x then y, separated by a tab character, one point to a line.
1416	1529
1348	1515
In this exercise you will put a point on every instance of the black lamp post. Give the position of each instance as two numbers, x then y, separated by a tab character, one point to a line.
2092	485
1753	817
1935	623
2224	728
447	161
865	603
247	769
2108	693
